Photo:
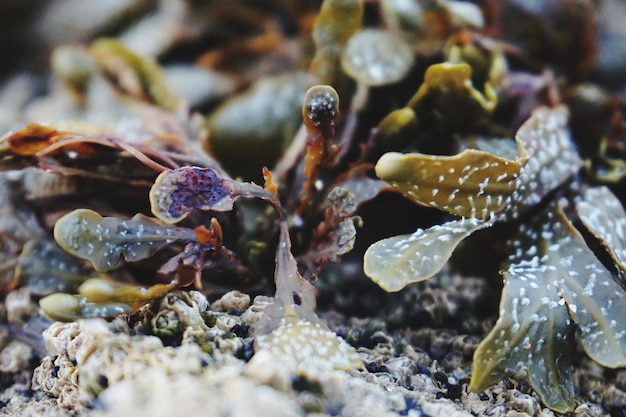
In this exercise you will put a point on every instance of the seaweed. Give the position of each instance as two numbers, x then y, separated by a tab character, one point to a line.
145	171
554	284
104	241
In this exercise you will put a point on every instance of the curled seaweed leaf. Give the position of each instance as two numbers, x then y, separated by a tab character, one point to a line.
136	76
336	235
31	139
398	261
104	241
336	22
553	282
452	83
472	184
446	88
67	307
106	291
176	193
606	221
80	149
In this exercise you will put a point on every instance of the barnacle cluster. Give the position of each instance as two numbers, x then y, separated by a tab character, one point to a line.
141	185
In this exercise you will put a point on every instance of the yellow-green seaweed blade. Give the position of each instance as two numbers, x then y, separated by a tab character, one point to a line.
552	157
595	300
533	331
472	184
554	282
398	261
122	65
603	215
452	82
336	22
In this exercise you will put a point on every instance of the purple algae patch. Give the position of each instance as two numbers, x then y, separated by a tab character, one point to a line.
200	188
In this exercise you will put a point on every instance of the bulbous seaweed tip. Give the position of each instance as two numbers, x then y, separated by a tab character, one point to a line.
321	105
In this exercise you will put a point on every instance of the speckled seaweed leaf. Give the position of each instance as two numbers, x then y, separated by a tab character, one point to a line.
534	331
554	281
398	261
602	213
377	57
104	241
471	184
479	184
176	193
596	302
552	157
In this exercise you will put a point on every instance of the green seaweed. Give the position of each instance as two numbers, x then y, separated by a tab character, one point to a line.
105	241
478	186
140	78
554	285
448	148
446	88
336	22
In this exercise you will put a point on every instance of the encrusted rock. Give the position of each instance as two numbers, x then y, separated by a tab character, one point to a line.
232	302
18	305
15	357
